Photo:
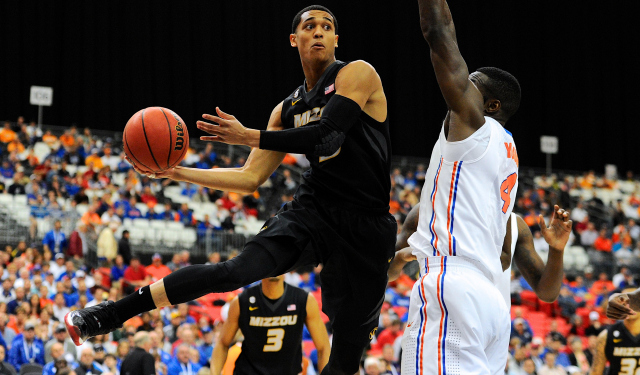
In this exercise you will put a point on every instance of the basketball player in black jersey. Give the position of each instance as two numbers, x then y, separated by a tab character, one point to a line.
339	216
271	316
545	279
620	345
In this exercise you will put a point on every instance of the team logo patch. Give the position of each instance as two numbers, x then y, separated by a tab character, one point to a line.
252	299
295	95
616	333
372	333
291	307
329	89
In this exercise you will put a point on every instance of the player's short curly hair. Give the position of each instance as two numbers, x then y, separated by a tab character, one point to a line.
504	87
298	17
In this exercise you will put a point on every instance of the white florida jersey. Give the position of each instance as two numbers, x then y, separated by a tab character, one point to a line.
469	192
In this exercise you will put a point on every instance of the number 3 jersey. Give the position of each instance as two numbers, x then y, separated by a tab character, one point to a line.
467	198
622	350
272	332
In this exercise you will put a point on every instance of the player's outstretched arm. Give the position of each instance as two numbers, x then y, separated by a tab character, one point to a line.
358	87
545	280
622	305
259	166
229	330
463	98
403	251
318	332
600	359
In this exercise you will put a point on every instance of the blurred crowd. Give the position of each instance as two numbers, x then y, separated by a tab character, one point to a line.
45	275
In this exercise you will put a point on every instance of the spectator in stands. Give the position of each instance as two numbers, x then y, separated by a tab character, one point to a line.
603	242
185	215
19	299
39	210
168	213
87	365
7	333
550	366
57	266
6	170
133	212
139	361
579	357
147	197
206	349
5	367
135	276
595	326
602	288
60	308
7	134
568	303
174	264
55	353
18	187
389	335
372	366
55	240
117	271
26	348
69	271
7	293
181	363
107	244
185	256
60	337
109	216
520	331
124	249
156	269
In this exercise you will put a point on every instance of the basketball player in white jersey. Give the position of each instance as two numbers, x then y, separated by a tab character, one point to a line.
458	319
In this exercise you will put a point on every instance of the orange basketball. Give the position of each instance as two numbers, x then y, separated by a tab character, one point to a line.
155	139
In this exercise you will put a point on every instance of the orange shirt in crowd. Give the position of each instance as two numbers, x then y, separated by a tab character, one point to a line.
49	139
394	207
603	244
7	135
95	159
602	286
67	140
158	272
91	218
15	145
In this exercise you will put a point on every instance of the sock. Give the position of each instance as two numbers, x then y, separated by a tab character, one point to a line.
134	304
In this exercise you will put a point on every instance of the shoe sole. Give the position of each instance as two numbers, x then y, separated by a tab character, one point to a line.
74	332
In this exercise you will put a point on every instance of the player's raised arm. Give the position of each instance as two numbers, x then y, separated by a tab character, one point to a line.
229	330
462	97
358	88
318	332
545	280
259	166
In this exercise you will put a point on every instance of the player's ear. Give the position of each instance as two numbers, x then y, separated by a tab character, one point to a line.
492	106
336	42
292	40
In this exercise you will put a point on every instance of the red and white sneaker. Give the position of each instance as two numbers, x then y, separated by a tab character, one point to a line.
92	321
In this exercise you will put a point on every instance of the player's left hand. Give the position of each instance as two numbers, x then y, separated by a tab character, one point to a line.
619	307
557	234
227	129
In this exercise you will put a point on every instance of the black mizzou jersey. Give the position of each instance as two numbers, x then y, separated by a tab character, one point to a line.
272	332
622	350
357	175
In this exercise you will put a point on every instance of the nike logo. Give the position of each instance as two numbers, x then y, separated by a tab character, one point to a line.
253	308
390	259
409	325
140	291
617	340
294	103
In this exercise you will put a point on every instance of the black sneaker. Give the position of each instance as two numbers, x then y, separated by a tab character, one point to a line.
92	321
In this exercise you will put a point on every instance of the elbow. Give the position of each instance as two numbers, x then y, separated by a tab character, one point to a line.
548	298
330	144
433	34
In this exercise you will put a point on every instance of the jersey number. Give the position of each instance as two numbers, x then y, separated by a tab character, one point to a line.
628	366
274	340
505	191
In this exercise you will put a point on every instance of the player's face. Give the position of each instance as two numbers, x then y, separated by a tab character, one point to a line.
315	36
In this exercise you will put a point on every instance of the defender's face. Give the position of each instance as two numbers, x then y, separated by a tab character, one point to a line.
315	36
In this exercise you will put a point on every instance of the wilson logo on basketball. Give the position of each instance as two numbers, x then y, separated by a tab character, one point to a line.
180	139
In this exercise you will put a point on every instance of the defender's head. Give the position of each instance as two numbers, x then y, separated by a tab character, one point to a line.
500	92
314	32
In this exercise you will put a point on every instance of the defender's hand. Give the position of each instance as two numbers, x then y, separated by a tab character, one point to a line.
619	307
227	129
557	234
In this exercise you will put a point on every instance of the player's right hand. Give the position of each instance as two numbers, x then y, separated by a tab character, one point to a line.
557	234
168	173
619	307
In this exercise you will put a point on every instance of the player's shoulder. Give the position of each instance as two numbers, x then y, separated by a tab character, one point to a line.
358	69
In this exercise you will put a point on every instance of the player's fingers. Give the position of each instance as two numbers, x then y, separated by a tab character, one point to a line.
542	224
223	114
216	119
214	138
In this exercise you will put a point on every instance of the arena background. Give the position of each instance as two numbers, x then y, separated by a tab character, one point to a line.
576	62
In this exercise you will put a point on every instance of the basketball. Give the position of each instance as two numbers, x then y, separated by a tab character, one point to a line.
155	139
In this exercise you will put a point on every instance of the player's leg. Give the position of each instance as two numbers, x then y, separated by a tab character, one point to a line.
255	262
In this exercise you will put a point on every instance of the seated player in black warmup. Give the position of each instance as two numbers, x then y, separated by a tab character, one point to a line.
271	316
620	345
340	213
